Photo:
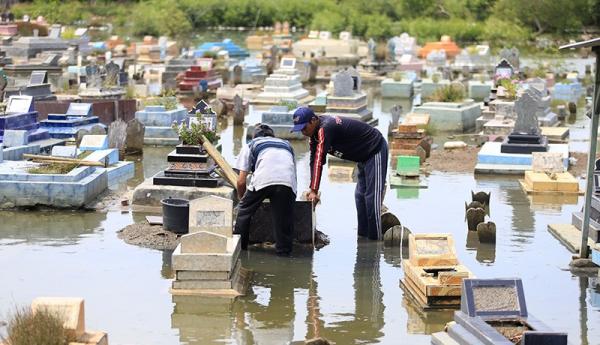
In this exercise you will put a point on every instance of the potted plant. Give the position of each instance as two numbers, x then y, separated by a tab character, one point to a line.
192	135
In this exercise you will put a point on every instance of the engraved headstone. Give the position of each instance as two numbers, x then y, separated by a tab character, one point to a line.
54	31
212	214
19	104
112	74
117	132
38	78
79	109
343	84
432	250
94	142
288	63
527	121
547	162
134	141
51	60
504	70
92	74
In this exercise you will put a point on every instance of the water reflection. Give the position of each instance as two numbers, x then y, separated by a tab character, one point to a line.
367	322
424	322
52	228
485	252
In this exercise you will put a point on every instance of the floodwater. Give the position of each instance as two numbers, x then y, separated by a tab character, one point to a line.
347	292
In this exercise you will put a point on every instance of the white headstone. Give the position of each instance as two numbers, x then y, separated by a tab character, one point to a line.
204	242
64	151
547	162
94	142
14	138
213	214
325	35
71	310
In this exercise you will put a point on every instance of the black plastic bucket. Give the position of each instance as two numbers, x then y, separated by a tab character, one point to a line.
175	215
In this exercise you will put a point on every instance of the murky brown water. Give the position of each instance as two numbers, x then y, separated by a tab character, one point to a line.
347	292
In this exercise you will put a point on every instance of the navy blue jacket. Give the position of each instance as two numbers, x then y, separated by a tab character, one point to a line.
344	138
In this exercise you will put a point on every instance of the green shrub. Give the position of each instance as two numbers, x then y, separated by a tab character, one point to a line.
192	134
449	93
42	327
510	87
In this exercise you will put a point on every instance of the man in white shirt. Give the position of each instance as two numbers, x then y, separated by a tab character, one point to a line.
271	162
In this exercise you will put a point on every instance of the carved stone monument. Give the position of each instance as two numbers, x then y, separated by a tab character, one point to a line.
526	136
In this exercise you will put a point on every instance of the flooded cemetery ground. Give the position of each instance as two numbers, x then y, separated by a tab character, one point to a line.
347	292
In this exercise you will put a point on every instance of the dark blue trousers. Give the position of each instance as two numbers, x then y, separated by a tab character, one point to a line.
370	190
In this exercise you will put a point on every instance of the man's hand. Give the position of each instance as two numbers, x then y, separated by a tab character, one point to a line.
313	197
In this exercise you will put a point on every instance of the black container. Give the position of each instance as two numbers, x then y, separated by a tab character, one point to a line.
175	215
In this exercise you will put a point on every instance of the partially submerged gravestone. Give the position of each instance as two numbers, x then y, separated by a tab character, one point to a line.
494	312
134	138
72	311
432	274
117	132
206	262
548	175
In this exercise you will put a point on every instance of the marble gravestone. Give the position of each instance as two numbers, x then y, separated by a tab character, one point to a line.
526	136
207	259
342	84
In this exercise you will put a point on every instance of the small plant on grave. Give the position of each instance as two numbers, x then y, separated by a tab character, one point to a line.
170	103
431	130
449	94
397	76
510	88
435	78
291	105
130	92
210	54
192	134
42	327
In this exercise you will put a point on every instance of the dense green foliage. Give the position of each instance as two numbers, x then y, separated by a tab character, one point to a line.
495	21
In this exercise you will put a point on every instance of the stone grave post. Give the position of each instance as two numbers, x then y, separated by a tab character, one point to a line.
238	110
207	259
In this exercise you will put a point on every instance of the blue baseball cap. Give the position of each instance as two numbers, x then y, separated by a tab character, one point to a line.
302	117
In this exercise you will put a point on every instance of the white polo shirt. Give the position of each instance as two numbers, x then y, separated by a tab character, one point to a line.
273	166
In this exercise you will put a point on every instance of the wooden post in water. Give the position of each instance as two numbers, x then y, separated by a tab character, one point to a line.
585	228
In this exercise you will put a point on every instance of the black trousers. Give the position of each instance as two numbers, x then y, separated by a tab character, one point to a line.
282	207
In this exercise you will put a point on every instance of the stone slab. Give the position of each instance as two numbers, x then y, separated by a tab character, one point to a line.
13	138
204	275
550	162
451	116
204	242
147	194
594	230
261	227
64	151
105	156
493	298
569	236
92	338
70	309
490	154
206	262
213	214
94	142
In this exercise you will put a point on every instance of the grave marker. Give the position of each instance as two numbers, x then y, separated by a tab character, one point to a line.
38	78
213	214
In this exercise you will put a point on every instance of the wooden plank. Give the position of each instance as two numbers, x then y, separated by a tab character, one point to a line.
62	160
432	287
228	172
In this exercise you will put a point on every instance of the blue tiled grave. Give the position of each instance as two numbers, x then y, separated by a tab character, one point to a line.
158	122
490	307
20	115
64	126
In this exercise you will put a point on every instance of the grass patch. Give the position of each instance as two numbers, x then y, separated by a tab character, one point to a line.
53	168
449	93
42	327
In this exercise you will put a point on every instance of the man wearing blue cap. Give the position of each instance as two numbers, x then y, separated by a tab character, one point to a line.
355	141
